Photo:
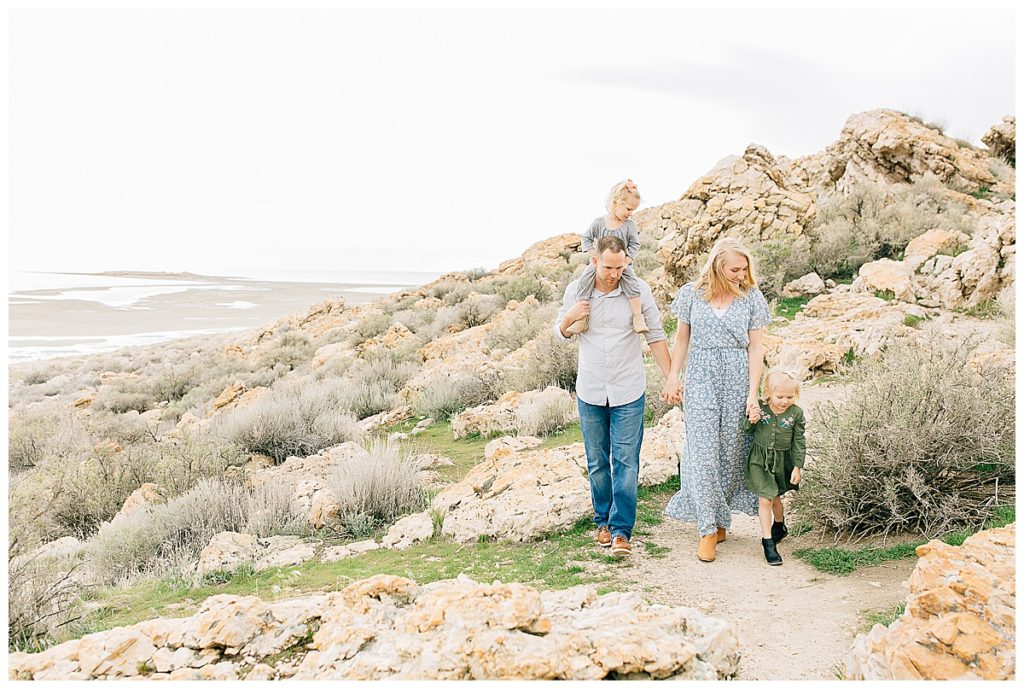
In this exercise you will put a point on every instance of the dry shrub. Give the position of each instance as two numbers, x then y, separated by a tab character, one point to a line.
522	286
550	362
542	417
876	222
297	419
171	534
923	445
518	327
377	489
447	395
43	598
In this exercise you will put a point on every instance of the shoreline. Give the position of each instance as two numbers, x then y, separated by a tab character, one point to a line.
58	322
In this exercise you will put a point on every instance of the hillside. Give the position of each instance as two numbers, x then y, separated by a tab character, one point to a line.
352	443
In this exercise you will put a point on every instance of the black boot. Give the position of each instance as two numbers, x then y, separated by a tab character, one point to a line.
779	531
770	553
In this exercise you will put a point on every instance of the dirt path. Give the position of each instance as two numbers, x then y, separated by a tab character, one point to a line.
794	622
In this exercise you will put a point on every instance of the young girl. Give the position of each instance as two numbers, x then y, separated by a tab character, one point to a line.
776	456
621	202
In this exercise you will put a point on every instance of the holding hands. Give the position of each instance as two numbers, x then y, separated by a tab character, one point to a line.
753	408
673	391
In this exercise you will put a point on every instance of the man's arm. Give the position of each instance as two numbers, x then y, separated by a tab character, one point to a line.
659	350
567	314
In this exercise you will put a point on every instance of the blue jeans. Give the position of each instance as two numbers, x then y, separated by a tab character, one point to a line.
612	438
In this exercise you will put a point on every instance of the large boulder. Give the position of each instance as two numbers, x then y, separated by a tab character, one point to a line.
387	627
517	496
959	621
751	197
227	551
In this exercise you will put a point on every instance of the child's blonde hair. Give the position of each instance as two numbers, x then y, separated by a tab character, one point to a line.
712	276
621	191
771	378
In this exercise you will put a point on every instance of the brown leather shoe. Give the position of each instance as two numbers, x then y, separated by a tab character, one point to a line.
621	546
706	548
604	536
721	534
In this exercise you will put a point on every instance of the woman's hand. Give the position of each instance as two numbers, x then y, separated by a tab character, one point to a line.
795	478
753	408
673	391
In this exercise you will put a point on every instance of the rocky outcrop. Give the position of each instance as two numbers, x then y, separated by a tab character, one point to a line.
959	621
749	197
387	627
889	147
523	495
553	251
759	197
516	496
947	269
831	325
1001	139
229	550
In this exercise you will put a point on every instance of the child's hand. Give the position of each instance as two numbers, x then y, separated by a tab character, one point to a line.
795	478
754	415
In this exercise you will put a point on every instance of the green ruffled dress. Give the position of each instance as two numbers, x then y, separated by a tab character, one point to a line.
778	447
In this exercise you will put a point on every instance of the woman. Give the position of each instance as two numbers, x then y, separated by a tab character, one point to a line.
722	316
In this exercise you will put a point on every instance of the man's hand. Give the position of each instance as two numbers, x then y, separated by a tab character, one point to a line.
795	478
578	311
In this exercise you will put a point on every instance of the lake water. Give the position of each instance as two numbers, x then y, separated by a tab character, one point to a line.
63	314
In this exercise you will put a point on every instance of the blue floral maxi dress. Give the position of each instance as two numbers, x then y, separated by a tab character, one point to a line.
714	455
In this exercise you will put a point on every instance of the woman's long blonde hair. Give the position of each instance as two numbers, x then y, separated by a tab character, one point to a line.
712	275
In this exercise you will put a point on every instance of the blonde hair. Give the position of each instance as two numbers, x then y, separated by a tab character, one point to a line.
620	191
772	376
712	275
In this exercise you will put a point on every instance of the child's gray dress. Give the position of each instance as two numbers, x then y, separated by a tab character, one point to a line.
630	236
714	455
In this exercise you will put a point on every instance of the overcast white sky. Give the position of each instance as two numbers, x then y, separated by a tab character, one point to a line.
226	140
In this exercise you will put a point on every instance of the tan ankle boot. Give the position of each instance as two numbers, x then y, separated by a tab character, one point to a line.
580	326
721	534
706	548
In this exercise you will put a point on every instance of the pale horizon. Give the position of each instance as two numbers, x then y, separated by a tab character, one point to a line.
223	140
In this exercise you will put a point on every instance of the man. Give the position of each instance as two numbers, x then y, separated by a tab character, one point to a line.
610	387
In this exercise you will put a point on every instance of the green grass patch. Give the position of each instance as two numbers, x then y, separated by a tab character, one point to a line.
983	192
912	321
670	324
985	310
883	617
886	294
840	561
790	307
